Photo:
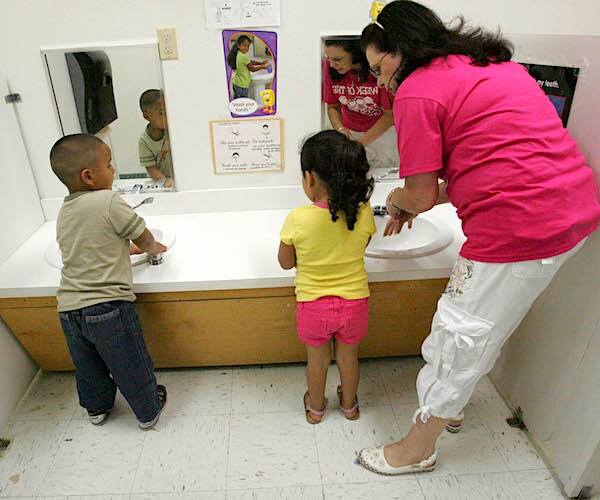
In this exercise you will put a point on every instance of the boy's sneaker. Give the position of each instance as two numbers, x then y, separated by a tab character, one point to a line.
98	417
162	401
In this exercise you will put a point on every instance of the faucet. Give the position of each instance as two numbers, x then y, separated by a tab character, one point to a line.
150	199
380	210
393	171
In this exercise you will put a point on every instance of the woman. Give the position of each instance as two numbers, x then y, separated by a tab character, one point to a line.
356	106
239	60
527	201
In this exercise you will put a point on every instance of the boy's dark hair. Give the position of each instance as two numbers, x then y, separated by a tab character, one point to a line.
232	56
419	36
149	98
71	154
353	47
342	166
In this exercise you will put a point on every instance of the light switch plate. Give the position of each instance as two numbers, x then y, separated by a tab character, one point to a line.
167	43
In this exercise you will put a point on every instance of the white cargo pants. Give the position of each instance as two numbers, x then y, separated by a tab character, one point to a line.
481	307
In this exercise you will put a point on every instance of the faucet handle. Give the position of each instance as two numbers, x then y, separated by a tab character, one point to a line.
380	210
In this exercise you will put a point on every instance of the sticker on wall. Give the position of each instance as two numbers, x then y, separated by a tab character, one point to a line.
241	146
376	8
558	82
251	69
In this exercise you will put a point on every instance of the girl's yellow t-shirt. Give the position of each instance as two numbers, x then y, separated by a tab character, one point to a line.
329	257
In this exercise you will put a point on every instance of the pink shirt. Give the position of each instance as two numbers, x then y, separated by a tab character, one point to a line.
520	185
363	102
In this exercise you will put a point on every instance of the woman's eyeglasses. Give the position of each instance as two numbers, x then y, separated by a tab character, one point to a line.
376	70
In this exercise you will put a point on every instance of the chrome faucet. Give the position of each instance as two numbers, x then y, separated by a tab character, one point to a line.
380	177
380	210
150	199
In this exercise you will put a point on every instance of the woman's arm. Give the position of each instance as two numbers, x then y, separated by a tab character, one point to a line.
421	192
379	128
286	255
334	112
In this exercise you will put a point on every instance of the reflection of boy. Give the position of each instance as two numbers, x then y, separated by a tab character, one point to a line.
95	301
153	145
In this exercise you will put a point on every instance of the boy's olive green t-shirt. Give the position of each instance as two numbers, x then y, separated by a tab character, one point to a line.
93	230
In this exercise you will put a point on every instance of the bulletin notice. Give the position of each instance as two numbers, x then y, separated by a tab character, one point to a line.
242	146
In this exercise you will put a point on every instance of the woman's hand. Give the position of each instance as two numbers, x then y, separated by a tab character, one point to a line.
398	216
346	132
397	221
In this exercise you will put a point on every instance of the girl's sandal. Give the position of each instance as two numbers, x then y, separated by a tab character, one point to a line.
350	413
313	416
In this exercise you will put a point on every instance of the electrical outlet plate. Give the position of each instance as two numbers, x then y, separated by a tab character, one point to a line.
167	43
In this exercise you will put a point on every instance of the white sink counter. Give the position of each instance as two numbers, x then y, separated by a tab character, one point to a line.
217	251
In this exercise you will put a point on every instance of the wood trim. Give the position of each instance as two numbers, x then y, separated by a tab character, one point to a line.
382	286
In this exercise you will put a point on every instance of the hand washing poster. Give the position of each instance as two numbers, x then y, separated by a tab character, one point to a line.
558	82
240	146
251	70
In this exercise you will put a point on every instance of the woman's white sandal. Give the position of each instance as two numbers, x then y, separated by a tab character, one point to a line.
456	428
374	460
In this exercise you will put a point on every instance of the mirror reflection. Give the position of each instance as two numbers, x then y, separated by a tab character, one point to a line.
354	105
116	94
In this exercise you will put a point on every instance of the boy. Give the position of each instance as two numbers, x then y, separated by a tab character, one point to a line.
153	145
95	301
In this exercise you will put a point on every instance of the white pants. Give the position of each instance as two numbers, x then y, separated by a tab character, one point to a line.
383	151
481	307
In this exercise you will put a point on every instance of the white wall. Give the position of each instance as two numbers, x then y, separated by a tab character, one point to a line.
195	84
20	216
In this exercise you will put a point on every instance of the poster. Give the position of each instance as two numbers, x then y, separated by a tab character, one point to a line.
241	146
252	88
558	82
222	14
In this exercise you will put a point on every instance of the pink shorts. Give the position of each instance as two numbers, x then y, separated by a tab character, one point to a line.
319	320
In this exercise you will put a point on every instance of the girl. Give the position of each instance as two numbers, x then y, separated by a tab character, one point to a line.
326	242
243	66
356	106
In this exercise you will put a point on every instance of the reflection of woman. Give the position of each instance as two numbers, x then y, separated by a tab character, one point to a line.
242	64
526	198
355	105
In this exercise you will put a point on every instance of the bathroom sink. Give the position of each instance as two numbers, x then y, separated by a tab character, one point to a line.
424	238
261	77
165	236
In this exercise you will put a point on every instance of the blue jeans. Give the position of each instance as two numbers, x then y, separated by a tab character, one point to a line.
239	91
108	350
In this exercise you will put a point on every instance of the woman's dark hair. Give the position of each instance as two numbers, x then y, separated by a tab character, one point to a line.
342	166
232	56
419	36
353	47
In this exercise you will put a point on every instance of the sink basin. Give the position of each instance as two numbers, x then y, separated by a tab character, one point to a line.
261	77
424	238
164	236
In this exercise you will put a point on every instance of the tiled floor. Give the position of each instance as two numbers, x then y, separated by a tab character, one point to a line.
240	433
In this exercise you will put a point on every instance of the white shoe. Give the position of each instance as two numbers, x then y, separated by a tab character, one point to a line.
374	460
456	428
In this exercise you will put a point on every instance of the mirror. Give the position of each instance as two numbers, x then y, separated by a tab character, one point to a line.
101	91
353	103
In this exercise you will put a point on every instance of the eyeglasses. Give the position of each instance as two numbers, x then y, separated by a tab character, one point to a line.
376	70
338	59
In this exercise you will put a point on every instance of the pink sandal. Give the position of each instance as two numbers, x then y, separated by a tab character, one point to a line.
313	416
350	413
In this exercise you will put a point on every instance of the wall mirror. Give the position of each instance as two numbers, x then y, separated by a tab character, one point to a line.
116	93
